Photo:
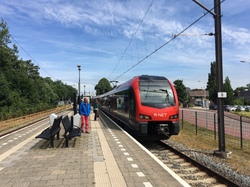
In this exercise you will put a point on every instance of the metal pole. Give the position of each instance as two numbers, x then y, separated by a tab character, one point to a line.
241	142
74	106
65	94
79	86
196	121
182	119
219	74
205	99
214	126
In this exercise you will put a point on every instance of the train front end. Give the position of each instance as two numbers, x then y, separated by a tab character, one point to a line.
157	113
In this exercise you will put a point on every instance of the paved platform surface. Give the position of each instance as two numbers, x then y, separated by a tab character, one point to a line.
105	157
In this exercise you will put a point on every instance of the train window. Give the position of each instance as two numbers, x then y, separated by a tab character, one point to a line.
156	93
132	106
120	102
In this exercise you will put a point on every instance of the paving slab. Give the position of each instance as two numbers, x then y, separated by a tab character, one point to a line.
104	157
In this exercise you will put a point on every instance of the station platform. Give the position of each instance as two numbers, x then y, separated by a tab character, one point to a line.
105	157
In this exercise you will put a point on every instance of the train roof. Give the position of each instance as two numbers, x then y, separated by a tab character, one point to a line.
128	83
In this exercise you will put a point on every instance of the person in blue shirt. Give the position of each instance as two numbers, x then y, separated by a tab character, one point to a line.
84	110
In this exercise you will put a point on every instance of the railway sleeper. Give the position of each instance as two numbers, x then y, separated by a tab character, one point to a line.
220	185
187	169
169	165
160	147
207	180
155	152
174	157
196	174
181	162
171	153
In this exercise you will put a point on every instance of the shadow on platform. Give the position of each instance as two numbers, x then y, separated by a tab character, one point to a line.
58	144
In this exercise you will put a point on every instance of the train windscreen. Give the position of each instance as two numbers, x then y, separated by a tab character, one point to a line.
156	93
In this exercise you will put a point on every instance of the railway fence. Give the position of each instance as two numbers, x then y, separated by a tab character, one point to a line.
237	128
15	122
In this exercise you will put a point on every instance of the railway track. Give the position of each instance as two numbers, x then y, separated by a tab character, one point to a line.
193	172
28	124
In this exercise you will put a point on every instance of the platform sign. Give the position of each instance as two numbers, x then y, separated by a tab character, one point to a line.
222	94
205	103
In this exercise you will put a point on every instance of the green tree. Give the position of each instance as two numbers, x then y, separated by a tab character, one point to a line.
59	89
239	101
228	88
4	34
22	90
211	84
181	90
103	86
5	98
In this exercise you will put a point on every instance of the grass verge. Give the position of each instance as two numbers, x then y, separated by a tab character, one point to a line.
204	141
245	114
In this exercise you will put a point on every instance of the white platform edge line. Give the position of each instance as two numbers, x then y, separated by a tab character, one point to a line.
154	157
18	146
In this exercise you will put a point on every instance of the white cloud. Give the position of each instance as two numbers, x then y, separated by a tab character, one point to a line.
237	36
5	10
92	31
77	46
97	32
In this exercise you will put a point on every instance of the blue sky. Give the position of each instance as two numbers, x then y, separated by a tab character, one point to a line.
60	34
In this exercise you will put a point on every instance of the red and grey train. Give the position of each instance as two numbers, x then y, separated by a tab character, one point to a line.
146	106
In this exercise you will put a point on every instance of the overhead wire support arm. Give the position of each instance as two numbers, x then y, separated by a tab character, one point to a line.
175	35
197	2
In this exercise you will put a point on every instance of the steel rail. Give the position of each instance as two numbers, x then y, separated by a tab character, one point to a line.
202	167
21	127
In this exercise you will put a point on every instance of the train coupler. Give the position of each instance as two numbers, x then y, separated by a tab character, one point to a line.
163	129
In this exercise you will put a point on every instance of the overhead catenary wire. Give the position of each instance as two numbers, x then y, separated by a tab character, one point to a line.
175	36
32	58
132	37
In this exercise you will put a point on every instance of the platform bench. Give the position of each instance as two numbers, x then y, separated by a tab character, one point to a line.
50	132
70	132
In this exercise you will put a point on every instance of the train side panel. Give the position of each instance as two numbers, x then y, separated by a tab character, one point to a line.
146	123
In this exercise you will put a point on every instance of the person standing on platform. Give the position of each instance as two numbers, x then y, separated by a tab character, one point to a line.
85	109
80	113
95	109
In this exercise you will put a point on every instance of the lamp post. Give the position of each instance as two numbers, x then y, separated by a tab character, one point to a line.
79	68
245	61
65	94
84	91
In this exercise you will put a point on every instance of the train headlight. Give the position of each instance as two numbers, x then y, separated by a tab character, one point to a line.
144	116
174	116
